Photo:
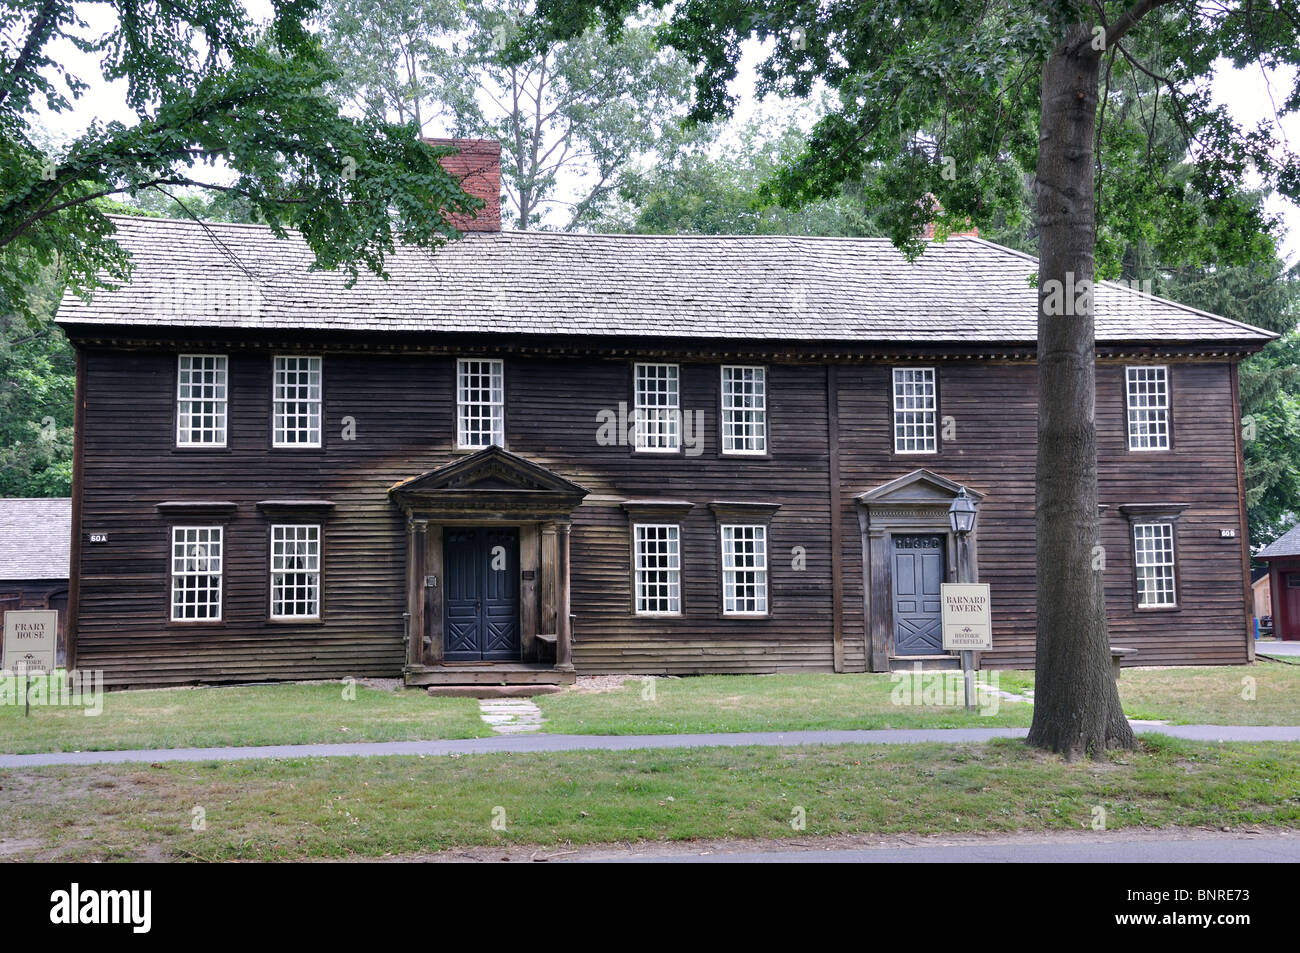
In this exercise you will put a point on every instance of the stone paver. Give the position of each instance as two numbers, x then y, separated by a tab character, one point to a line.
543	743
511	716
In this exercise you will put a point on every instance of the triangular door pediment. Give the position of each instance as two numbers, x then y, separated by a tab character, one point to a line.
487	477
919	487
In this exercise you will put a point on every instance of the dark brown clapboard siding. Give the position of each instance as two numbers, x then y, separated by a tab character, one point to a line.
403	407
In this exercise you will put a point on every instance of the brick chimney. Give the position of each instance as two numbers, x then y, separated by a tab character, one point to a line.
478	167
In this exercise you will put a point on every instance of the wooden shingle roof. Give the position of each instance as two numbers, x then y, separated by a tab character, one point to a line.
35	535
793	288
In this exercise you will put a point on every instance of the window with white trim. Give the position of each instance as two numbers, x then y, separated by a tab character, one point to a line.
1153	557
744	409
658	568
201	400
296	398
658	414
295	571
196	573
1147	396
915	410
480	404
744	569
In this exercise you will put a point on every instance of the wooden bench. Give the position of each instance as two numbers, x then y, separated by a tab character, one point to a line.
1117	657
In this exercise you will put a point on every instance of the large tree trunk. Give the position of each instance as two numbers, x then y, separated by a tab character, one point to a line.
1076	703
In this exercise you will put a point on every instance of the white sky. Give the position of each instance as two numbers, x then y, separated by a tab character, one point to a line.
1245	92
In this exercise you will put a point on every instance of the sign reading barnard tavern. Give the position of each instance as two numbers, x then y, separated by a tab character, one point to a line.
967	617
30	636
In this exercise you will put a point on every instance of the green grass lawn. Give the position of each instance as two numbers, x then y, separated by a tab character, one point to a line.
252	715
377	807
302	713
770	703
1214	696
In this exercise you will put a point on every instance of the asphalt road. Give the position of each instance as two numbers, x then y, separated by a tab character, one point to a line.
1252	850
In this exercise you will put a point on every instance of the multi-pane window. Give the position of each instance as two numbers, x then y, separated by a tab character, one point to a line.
480	404
201	400
1153	548
658	412
296	395
744	569
196	573
915	409
1147	392
744	410
658	568
295	572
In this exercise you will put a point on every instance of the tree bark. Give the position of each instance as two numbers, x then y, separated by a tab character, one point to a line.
1076	703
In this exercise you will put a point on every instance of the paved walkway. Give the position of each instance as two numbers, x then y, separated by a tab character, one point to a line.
530	743
1287	649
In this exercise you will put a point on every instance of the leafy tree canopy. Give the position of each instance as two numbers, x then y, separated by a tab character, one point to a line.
208	88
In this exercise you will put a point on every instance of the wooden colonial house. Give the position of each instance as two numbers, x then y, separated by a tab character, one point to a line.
529	454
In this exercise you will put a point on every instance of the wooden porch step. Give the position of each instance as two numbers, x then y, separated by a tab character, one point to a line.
488	673
492	691
928	663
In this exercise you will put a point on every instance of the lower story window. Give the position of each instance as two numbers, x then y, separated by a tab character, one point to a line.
295	572
744	570
658	569
1153	548
196	573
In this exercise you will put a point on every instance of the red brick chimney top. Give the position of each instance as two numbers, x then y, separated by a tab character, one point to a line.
477	165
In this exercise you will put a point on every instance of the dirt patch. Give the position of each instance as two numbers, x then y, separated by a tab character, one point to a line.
594	684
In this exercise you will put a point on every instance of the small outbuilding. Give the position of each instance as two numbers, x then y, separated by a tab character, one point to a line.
35	535
1283	559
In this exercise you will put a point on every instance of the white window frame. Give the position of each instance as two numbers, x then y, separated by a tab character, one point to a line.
731	570
495	404
186	401
742	425
189	568
667	569
303	412
657	413
1147	407
281	570
1158	559
915	414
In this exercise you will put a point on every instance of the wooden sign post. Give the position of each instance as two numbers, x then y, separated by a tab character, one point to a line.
967	626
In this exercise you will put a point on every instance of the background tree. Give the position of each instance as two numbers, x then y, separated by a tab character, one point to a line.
206	86
954	103
569	119
710	189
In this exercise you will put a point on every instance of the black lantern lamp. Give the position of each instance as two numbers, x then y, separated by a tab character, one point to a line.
961	515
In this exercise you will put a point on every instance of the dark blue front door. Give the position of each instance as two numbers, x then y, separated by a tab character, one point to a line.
481	565
918	574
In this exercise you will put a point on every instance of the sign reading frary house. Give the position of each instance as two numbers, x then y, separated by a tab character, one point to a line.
30	639
967	617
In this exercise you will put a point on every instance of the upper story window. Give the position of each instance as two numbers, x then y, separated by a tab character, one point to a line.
915	410
480	404
658	568
744	409
196	573
744	569
1147	394
201	400
1153	558
296	396
658	412
295	572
